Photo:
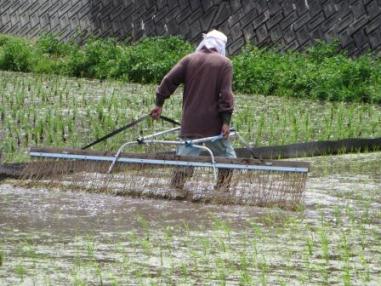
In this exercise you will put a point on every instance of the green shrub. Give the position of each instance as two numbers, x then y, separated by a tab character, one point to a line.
321	72
323	50
4	39
16	55
254	71
150	59
95	59
51	45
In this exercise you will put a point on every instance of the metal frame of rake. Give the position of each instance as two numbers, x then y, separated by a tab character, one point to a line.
255	182
226	163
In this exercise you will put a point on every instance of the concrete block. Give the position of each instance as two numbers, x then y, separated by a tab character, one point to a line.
173	28
183	15
248	17
261	33
249	6
302	21
373	25
224	28
160	14
183	4
343	8
195	16
236	46
357	8
344	23
260	19
359	23
301	6
345	38
316	34
328	24
5	28
289	35
235	17
302	35
274	20
161	4
260	5
375	39
288	21
287	7
292	46
207	18
194	34
314	7
359	37
274	7
5	6
206	5
329	8
222	15
373	9
195	4
235	5
316	21
248	33
276	33
236	32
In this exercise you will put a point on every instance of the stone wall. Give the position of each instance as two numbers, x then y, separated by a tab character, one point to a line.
286	24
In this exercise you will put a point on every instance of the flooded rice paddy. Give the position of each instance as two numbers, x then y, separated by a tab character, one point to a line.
53	237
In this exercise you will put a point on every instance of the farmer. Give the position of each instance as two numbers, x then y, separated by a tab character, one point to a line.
207	102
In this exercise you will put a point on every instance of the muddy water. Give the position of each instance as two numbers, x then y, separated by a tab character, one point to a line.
53	237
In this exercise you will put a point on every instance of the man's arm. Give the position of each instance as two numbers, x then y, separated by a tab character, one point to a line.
226	99
168	85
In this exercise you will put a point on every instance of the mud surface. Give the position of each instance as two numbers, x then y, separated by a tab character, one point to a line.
53	237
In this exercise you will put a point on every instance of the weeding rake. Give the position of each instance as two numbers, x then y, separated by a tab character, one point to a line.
250	181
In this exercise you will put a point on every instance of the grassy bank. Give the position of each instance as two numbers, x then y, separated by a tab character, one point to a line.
321	72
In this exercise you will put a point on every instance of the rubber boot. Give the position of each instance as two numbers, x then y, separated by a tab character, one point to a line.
223	180
179	178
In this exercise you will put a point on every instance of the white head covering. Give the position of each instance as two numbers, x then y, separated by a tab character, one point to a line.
214	40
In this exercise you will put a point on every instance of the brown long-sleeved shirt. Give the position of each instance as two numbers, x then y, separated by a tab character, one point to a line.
207	99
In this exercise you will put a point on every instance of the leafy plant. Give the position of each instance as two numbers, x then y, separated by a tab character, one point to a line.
321	72
16	55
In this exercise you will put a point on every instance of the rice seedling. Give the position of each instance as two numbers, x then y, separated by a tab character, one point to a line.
2	256
334	239
72	112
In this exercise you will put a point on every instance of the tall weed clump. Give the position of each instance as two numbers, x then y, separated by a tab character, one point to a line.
150	59
15	54
321	72
96	59
51	55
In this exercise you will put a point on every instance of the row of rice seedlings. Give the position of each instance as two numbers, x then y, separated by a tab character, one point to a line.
53	110
294	121
274	249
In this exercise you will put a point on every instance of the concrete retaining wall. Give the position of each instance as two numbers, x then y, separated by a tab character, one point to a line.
286	24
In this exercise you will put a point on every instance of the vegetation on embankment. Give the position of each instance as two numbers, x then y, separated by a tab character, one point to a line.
320	72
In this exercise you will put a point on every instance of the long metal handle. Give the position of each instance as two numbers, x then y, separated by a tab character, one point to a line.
209	139
129	125
113	133
143	138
